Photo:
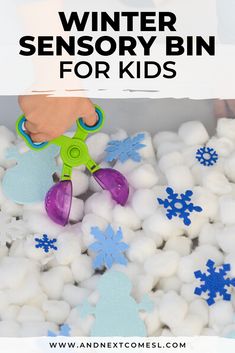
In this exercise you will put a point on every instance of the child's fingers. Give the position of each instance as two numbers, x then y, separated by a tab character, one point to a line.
40	137
220	108
31	128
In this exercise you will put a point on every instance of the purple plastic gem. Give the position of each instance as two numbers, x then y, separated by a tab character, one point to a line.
113	181
58	202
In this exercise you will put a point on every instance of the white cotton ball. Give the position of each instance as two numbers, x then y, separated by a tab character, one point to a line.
193	133
189	155
141	248
10	313
147	152
119	134
3	251
172	309
226	238
228	330
9	329
223	146
131	270
230	259
229	167
187	291
216	182
100	204
40	223
83	325
159	226
96	145
180	244
26	292
180	178
144	203
169	283
52	284
197	222
209	233
126	216
80	183
56	311
68	248
226	128
77	210
162	264
165	136
90	283
12	209
126	167
91	220
207	201
9	267
38	299
191	325
37	329
144	176
198	171
6	134
74	295
152	322
220	314
170	160
208	332
168	147
3	301
64	272
82	268
30	250
209	252
128	234
143	285
227	209
187	266
199	306
30	313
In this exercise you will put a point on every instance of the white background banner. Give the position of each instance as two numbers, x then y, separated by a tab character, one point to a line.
198	74
117	345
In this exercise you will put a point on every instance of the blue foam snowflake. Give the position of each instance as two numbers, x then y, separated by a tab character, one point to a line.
64	331
108	247
125	149
215	282
179	205
207	156
45	243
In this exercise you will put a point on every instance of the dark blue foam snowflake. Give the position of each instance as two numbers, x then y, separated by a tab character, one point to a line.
125	149
45	243
179	205
64	331
207	156
108	247
215	282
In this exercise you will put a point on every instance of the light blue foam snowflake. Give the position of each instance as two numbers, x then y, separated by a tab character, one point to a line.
215	282
179	205
108	247
207	156
45	243
125	149
64	331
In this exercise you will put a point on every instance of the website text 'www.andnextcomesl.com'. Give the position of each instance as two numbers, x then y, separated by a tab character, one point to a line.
117	345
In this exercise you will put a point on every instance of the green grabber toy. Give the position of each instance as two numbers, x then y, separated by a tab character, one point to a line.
74	152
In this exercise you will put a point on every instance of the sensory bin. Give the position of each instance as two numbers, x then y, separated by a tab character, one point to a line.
166	259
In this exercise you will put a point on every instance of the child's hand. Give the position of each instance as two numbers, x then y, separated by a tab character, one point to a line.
49	117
